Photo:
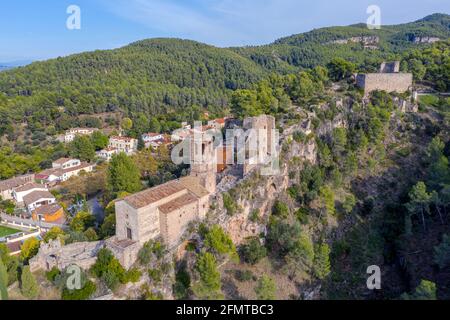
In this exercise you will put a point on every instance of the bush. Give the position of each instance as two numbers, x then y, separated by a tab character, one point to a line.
52	274
133	275
252	252
82	294
109	269
155	275
182	283
280	209
220	242
243	275
266	289
302	215
229	204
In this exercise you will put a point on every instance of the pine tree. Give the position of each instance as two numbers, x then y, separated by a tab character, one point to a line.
29	285
265	289
123	174
209	286
3	281
322	265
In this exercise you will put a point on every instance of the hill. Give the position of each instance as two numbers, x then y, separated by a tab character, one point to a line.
355	43
176	79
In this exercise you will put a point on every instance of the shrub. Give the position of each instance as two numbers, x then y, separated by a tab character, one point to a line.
252	252
243	275
266	289
229	204
155	275
280	209
52	274
133	275
82	294
220	242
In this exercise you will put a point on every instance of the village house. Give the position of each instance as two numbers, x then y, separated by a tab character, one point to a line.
37	199
107	154
123	144
51	213
63	169
74	132
217	123
8	186
152	137
22	191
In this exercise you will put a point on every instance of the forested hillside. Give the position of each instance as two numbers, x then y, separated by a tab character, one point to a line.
175	80
316	47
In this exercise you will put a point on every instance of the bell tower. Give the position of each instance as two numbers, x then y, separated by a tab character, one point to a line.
203	160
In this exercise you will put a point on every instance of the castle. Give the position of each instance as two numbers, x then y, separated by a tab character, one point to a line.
388	79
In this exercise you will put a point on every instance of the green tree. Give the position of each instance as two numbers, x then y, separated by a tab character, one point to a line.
280	209
99	140
54	233
419	202
442	252
220	242
126	124
82	221
29	249
301	257
252	251
123	175
244	103
322	267
425	291
209	286
109	269
29	285
340	69
3	281
327	197
349	203
265	289
82	148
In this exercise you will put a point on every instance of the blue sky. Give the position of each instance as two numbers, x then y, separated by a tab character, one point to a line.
31	29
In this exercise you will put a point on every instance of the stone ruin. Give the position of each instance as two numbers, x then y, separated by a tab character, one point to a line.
389	79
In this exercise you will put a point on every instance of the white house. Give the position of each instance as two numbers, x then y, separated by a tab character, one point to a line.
72	133
151	137
7	186
65	163
106	154
22	191
123	144
37	199
63	169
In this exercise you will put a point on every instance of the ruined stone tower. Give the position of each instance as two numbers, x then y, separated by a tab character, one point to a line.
203	159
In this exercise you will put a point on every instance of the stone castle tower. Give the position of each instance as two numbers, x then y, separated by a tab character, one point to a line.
203	160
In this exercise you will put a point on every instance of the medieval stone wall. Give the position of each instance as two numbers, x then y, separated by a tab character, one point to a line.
389	82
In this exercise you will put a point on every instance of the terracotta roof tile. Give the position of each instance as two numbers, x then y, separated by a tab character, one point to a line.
36	195
30	186
177	203
149	196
